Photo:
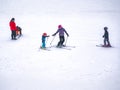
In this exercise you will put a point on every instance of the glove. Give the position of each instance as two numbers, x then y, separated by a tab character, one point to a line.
53	35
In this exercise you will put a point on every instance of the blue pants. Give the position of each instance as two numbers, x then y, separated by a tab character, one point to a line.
43	44
13	34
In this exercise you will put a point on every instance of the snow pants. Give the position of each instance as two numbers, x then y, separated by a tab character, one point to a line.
106	42
13	34
43	44
62	39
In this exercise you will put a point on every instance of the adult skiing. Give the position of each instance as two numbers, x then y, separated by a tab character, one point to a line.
61	32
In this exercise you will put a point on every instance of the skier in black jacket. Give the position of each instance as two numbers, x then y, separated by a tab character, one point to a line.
106	38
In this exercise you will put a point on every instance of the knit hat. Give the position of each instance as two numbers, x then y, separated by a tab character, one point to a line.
44	34
59	26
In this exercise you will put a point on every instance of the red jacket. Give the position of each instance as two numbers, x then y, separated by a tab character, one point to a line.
12	26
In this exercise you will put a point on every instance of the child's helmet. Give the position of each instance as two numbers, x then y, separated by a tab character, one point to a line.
44	34
59	26
105	28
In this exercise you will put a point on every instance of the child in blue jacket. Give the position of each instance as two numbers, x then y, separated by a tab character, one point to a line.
44	40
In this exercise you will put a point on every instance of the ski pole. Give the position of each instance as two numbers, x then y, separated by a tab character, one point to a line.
66	40
46	40
52	41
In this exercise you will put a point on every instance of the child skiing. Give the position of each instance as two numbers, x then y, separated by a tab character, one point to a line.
61	32
44	40
106	38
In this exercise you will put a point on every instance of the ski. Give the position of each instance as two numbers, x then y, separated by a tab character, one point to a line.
62	47
101	45
46	49
66	48
69	46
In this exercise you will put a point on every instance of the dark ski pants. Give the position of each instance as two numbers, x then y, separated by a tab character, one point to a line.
106	41
62	39
13	34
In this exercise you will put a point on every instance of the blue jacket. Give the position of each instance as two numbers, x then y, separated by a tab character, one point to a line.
43	38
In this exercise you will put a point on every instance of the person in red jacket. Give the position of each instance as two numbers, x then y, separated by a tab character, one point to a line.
12	25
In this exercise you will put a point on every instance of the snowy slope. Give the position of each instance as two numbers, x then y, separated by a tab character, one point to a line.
87	67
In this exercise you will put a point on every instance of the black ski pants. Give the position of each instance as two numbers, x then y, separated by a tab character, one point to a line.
13	34
106	41
62	39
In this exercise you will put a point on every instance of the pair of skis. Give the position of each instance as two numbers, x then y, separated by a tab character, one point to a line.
62	47
53	46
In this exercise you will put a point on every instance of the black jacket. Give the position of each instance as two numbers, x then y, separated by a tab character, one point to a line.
106	34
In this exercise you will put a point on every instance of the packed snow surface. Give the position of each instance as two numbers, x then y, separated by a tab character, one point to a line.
23	66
